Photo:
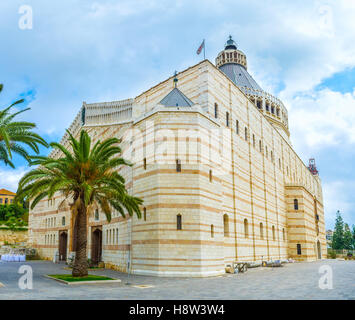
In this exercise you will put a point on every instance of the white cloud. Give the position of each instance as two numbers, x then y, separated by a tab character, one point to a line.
9	178
337	196
323	118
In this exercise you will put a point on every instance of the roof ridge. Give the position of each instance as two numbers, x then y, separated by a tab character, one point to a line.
176	98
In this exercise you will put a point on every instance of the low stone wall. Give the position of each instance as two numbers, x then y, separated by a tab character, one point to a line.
12	237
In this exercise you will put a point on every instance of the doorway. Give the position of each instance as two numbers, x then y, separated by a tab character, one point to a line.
63	243
96	245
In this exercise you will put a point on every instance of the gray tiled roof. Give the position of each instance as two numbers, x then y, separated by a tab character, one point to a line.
176	99
239	75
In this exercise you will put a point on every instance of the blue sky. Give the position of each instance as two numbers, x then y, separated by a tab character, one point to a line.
81	50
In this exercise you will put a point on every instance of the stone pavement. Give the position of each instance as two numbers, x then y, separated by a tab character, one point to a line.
293	281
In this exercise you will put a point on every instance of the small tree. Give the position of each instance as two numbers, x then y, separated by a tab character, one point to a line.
88	175
338	235
348	238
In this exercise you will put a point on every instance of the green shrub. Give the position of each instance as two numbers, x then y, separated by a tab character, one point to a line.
332	254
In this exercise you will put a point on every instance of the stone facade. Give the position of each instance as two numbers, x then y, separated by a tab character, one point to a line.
232	200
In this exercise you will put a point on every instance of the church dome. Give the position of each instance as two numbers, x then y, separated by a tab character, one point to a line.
233	63
239	75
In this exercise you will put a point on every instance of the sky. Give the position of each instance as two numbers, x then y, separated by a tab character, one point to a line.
80	50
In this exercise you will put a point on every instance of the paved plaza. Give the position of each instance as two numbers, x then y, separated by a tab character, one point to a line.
293	281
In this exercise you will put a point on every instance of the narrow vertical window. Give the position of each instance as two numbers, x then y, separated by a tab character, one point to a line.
254	140
295	204
227	119
260	145
283	234
246	133
299	250
212	231
246	228
279	163
178	222
237	126
266	153
96	214
145	163
216	110
63	221
261	231
273	233
145	213
210	176
226	225
178	165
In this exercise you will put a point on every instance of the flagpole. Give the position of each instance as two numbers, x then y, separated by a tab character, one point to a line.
204	49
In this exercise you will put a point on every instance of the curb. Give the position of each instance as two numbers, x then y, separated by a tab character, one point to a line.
83	282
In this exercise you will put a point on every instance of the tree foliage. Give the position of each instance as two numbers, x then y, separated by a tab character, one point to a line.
343	237
16	135
12	210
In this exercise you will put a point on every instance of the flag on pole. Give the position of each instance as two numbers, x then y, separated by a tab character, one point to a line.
202	46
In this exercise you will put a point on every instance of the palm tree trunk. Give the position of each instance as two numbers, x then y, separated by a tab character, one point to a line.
80	268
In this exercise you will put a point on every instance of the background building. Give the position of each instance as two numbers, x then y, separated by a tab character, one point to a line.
6	196
215	167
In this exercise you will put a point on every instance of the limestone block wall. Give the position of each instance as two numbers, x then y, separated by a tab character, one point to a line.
12	237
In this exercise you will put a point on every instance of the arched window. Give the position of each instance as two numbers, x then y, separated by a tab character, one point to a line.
273	233
226	225
246	228
210	175
227	119
283	234
261	231
63	221
117	236
145	213
254	140
216	110
237	126
295	204
145	163
212	231
179	222
246	133
113	236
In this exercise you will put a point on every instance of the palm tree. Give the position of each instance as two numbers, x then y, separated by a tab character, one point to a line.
89	178
15	134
